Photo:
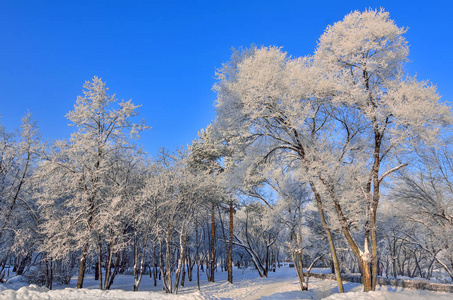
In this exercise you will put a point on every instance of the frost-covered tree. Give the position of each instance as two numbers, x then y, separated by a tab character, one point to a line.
341	117
18	214
79	191
211	156
363	57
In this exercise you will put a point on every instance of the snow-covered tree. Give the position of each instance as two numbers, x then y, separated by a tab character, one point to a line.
363	57
211	156
340	117
79	191
18	214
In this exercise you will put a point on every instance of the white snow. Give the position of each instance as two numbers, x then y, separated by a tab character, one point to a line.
282	284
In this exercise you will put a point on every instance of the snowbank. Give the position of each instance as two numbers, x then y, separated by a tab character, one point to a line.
281	285
37	293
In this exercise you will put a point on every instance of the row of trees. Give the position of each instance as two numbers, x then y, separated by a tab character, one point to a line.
338	158
98	200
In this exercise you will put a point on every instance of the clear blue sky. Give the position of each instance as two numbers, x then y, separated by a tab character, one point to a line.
163	54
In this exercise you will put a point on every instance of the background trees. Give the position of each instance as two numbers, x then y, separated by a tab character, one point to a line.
424	197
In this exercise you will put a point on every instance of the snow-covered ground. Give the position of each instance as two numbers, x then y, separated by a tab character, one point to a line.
282	284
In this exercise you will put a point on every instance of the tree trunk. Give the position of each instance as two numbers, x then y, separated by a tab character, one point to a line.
168	263
189	265
108	266
326	227
155	265
266	264
182	243
83	258
363	258
299	265
230	247
115	271
212	243
366	274
183	275
99	264
197	258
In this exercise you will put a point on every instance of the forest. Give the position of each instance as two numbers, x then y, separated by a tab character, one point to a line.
339	159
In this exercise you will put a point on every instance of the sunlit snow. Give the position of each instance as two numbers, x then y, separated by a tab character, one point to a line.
283	284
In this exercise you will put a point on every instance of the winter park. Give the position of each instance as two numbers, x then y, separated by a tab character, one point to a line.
228	150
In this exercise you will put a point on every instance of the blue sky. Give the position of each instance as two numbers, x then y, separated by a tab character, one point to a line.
163	54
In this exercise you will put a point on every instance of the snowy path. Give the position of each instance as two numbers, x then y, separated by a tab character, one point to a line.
282	285
265	291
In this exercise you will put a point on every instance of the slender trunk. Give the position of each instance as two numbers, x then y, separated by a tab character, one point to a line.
108	265
135	262
83	258
296	253
266	265
363	258
162	270
222	225
299	265
197	259
378	136
374	254
183	275
395	272
138	274
51	274
99	264
47	273
155	265
189	265
212	243
168	263
182	247
115	271
230	247
329	237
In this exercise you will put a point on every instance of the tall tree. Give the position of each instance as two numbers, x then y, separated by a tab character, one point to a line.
342	117
80	168
207	154
363	56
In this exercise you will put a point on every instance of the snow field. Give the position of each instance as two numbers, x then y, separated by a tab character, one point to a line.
281	285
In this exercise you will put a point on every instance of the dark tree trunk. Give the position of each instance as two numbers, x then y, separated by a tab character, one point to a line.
99	264
212	243
82	265
230	247
197	259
